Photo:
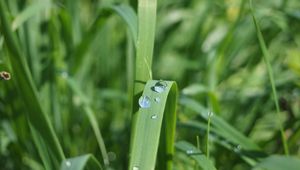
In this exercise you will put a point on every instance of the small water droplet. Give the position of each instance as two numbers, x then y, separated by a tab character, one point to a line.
157	99
210	114
189	152
159	87
144	102
135	168
64	74
154	116
237	148
68	163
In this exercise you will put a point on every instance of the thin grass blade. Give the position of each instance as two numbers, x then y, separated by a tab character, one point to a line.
267	57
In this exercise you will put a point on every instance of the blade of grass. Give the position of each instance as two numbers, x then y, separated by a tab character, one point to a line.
124	11
277	162
195	154
27	89
80	163
267	57
29	12
91	116
147	129
224	129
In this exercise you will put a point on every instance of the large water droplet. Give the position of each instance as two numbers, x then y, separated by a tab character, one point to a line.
157	99
154	116
159	87
68	163
144	102
135	168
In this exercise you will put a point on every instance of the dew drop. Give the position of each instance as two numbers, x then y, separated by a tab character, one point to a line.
210	114
157	99
189	152
144	102
159	87
135	168
68	163
237	148
64	74
154	116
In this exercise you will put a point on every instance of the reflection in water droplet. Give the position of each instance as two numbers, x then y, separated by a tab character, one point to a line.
160	86
68	163
189	152
135	168
157	99
154	117
144	102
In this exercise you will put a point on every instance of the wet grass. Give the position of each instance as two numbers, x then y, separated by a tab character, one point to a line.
72	74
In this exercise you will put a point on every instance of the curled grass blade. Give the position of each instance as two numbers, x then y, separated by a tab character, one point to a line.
126	13
87	161
152	123
191	151
267	57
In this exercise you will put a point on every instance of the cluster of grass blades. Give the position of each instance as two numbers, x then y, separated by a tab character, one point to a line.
65	104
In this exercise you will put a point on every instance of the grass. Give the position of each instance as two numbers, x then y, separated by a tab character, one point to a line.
78	69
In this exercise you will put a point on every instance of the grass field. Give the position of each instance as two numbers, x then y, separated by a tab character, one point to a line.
150	84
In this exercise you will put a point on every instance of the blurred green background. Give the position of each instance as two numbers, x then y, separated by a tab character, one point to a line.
209	47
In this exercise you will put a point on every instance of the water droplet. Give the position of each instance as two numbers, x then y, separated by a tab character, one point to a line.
159	87
68	163
210	114
144	102
154	116
189	152
157	99
135	168
64	74
237	148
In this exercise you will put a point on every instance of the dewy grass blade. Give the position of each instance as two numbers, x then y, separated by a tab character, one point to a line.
267	57
157	110
80	163
195	154
27	89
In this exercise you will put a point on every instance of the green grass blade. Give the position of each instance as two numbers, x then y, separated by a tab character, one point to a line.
277	162
145	43
27	89
92	118
267	57
147	128
130	18
29	12
195	154
80	163
223	128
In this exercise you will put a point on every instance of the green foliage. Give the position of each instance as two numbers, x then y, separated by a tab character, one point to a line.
78	69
